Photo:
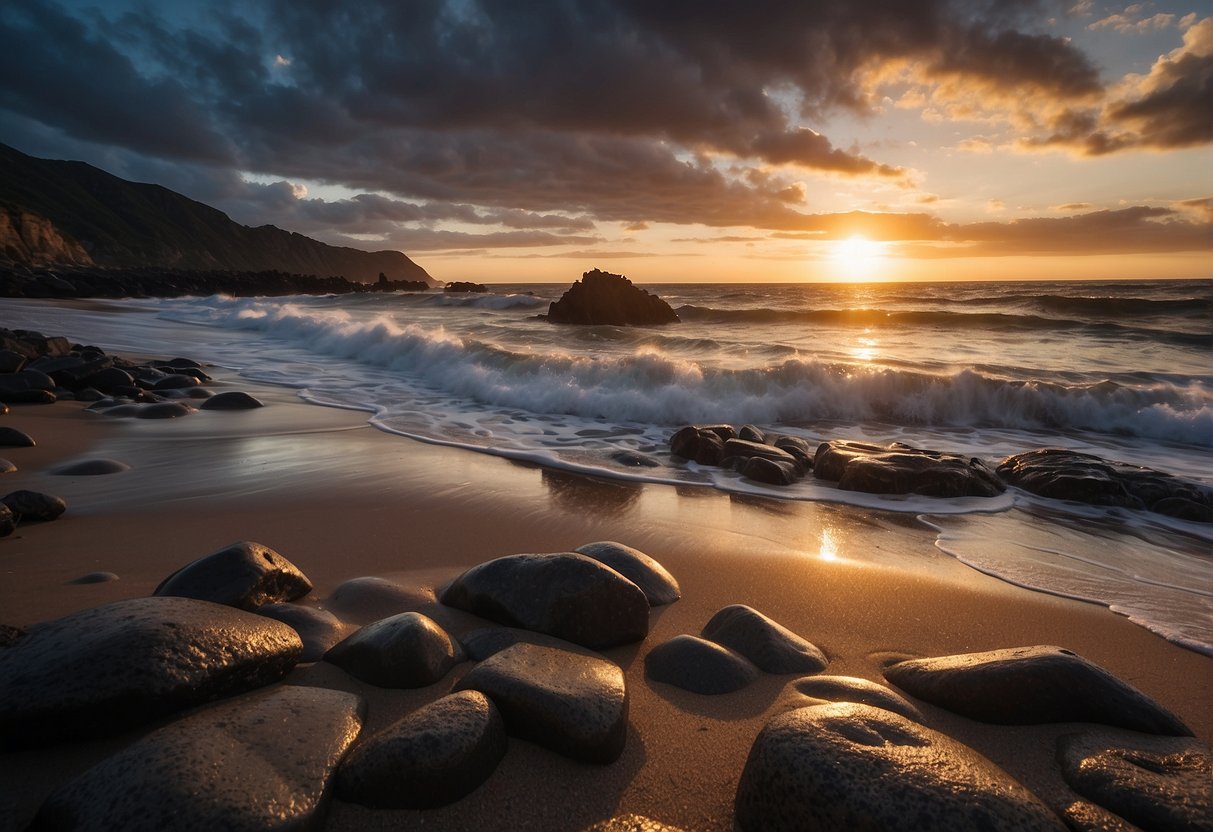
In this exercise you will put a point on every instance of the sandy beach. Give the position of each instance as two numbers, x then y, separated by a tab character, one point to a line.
343	500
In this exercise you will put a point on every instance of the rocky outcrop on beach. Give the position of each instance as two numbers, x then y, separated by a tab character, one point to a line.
407	650
604	298
849	766
465	287
245	575
1032	685
1086	478
107	669
261	762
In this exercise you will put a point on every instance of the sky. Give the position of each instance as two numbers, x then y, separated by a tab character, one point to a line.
714	140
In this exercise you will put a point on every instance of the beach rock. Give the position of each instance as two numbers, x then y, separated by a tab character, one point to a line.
434	756
11	362
110	668
1031	685
7	467
371	598
4	409
635	459
631	823
483	642
231	400
163	410
88	394
1155	789
245	575
465	286
604	298
407	650
90	468
658	585
848	766
767	471
701	445
1084	816
1085	478
699	666
566	595
95	578
752	433
13	438
261	762
573	704
746	449
109	380
859	691
770	646
8	521
899	469
318	629
799	449
34	506
28	397
36	380
174	381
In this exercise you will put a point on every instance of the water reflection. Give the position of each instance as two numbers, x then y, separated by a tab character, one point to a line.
579	493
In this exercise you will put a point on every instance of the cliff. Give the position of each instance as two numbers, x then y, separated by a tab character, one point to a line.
70	213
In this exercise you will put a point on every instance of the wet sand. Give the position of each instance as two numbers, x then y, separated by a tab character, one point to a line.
342	500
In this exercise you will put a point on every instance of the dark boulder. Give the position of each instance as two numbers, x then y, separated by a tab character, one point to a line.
163	410
848	766
318	629
604	298
1085	478
1032	685
436	755
752	433
104	670
262	762
899	469
245	575
699	666
13	438
770	646
573	704
657	584
770	472
566	595
819	689
407	650
109	379
34	506
90	468
8	521
463	286
1167	788
231	400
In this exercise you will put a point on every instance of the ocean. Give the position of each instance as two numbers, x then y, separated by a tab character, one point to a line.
1120	369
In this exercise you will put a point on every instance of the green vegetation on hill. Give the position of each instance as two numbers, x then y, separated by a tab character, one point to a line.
125	224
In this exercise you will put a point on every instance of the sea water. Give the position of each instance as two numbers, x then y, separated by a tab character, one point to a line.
1120	369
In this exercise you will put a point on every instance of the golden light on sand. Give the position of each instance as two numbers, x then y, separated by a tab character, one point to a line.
858	258
828	550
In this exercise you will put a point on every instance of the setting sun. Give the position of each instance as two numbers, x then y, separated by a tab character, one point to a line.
858	258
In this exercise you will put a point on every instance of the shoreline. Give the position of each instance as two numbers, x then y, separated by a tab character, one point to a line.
341	500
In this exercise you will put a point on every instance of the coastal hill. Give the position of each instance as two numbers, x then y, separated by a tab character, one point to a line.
60	213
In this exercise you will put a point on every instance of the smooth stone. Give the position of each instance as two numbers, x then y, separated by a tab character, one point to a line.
108	379
849	766
162	410
37	380
11	362
859	691
4	409
1032	685
95	578
752	433
318	629
436	755
34	506
90	468
1163	789
573	704
8	521
13	438
770	646
263	762
566	595
408	650
769	471
900	469
196	393
631	823
7	467
699	666
373	598
231	400
747	449
106	669
657	584
88	394
1084	816
245	575
28	396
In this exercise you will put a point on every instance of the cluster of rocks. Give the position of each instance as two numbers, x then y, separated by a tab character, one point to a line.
23	505
900	469
214	629
465	286
156	282
604	298
849	753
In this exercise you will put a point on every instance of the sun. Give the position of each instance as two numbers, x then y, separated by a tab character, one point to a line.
858	258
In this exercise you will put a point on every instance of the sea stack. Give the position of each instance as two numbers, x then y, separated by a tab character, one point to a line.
604	298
